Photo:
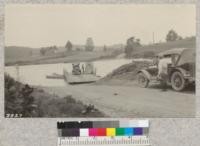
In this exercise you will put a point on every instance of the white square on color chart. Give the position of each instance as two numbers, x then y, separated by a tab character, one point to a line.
84	132
144	123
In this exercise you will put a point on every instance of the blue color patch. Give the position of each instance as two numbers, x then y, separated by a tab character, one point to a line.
128	131
138	131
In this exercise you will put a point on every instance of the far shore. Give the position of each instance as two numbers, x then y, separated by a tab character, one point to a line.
22	56
55	60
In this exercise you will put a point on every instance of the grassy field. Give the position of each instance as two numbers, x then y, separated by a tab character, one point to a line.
60	57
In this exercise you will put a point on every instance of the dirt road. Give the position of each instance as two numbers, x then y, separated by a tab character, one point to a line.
131	101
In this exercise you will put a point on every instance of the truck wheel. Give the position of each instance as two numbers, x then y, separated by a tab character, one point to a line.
177	80
142	79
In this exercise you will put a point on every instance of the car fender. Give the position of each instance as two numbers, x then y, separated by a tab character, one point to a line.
147	74
184	72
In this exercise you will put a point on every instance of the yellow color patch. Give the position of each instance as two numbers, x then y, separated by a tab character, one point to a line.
110	131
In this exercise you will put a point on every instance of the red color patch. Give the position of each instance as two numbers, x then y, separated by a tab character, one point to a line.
101	131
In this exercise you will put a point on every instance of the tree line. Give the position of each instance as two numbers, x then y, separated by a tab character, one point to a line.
46	50
89	46
132	43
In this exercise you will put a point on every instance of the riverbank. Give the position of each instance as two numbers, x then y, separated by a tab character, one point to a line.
74	56
31	101
125	74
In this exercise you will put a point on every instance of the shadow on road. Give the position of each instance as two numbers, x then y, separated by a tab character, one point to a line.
190	89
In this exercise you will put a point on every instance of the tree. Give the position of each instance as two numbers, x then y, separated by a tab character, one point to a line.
42	51
180	38
69	46
138	42
89	44
54	48
172	36
130	44
104	48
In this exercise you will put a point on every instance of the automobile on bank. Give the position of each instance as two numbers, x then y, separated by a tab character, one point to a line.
180	73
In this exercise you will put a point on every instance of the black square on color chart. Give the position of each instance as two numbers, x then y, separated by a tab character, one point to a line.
70	132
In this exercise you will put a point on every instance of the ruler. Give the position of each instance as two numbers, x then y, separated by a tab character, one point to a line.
120	140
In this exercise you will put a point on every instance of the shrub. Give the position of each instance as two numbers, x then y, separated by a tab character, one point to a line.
18	98
33	102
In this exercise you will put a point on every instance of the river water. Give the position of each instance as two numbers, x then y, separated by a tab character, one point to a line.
36	74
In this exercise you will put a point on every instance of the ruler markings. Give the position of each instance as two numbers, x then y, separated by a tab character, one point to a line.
139	140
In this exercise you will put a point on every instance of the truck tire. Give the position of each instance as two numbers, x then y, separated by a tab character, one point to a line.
142	79
177	81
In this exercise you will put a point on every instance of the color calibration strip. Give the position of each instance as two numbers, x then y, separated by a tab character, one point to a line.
75	132
103	128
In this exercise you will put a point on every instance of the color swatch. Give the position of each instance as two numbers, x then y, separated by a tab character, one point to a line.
102	132
102	128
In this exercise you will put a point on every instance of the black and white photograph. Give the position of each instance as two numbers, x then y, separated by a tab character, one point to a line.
100	60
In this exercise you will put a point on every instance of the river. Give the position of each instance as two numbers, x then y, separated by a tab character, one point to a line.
36	74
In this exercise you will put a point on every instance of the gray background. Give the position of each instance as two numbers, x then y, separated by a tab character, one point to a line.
43	132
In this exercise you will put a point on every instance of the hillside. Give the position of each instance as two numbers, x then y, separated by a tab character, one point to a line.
26	56
17	52
149	50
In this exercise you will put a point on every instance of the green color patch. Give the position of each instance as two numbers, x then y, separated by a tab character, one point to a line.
119	131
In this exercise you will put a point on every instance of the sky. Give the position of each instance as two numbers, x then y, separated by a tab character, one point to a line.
48	24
